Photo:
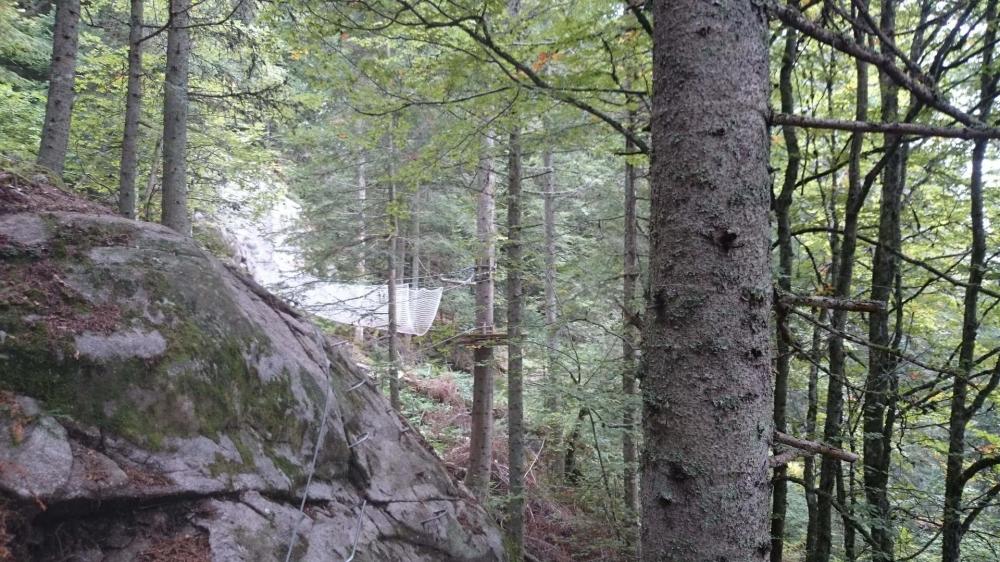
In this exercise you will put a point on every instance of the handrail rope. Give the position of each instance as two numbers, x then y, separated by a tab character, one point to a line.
319	443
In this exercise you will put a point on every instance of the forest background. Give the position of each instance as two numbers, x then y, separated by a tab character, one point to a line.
387	121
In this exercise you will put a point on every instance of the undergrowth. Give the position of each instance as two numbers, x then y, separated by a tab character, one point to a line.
564	522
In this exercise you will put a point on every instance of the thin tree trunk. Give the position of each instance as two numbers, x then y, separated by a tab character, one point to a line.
175	111
845	497
415	240
842	289
150	192
515	358
128	168
707	354
812	407
879	407
477	478
551	306
630	343
392	265
515	351
359	331
783	361
832	219
573	473
553	390
961	412
62	74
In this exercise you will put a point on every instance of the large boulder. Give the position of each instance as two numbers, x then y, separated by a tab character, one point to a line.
156	404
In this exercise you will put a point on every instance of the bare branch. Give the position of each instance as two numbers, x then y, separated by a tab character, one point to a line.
814	447
913	129
920	85
818	301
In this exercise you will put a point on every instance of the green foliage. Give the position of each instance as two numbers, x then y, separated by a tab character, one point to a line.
310	98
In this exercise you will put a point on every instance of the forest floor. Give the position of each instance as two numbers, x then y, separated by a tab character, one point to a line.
562	524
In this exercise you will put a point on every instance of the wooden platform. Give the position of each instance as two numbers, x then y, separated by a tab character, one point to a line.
491	339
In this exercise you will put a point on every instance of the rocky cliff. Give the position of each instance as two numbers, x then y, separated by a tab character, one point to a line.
157	405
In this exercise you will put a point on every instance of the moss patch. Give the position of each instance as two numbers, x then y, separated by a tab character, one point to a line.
203	384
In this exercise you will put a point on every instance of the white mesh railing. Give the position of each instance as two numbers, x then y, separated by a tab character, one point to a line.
264	246
368	305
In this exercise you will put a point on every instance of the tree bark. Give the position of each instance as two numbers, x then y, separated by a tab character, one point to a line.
174	207
961	412
630	344
477	478
62	74
128	168
515	358
707	396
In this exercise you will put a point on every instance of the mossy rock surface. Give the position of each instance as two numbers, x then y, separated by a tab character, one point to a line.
184	379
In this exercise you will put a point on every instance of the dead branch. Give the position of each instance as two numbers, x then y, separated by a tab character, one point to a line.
814	447
911	129
818	301
781	459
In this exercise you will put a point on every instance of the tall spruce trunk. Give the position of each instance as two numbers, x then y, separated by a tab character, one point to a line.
844	273
415	239
880	386
707	397
128	167
392	308
551	305
477	478
783	361
954	527
630	344
393	273
174	207
553	388
362	193
62	74
515	353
